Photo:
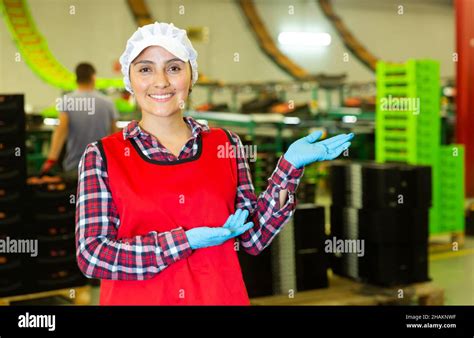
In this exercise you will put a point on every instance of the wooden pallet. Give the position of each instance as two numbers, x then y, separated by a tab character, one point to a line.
444	242
79	296
344	291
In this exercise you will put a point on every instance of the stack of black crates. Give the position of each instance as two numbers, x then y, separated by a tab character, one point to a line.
311	262
385	207
43	213
12	190
52	222
295	261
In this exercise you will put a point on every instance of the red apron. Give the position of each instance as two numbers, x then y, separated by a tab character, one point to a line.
161	196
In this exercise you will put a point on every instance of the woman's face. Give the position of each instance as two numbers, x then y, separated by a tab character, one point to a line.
160	81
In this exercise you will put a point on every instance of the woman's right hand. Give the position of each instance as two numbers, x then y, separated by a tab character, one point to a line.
235	225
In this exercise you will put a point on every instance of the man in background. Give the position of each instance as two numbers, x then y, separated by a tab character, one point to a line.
85	116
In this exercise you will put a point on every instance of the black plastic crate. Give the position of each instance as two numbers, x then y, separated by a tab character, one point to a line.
12	174
52	198
415	185
380	186
56	249
11	219
311	262
337	221
11	277
10	195
338	182
60	214
389	265
48	229
52	276
257	273
394	225
11	131
311	269
12	110
309	227
11	226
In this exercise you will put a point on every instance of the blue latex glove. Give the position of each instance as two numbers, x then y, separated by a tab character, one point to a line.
235	222
235	225
306	150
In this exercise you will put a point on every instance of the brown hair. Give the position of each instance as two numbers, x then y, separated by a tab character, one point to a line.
84	73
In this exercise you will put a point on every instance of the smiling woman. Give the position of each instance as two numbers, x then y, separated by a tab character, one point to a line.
161	84
154	238
159	67
160	81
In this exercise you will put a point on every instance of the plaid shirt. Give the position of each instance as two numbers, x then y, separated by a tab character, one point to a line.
101	254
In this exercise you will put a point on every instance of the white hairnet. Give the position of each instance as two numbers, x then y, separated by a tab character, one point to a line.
173	39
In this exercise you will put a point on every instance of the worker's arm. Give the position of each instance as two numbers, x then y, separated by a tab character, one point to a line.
273	208
100	254
283	196
276	205
59	137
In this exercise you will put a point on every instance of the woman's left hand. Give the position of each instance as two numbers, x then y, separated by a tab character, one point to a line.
236	223
306	150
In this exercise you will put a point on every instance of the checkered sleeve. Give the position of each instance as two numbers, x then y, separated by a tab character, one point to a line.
265	211
100	254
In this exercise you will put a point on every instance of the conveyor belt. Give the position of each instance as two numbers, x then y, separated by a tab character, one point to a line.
35	51
267	44
349	40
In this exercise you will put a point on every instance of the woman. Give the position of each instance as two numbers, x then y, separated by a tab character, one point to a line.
158	211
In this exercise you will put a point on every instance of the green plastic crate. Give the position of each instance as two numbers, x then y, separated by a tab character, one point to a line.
452	187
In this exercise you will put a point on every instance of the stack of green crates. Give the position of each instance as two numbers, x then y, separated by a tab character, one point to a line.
452	188
411	133
396	129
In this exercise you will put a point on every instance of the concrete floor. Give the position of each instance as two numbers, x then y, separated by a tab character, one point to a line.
454	271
